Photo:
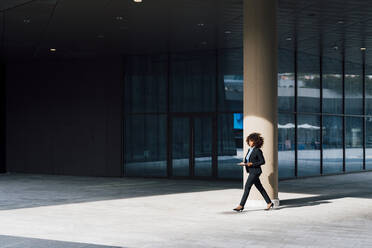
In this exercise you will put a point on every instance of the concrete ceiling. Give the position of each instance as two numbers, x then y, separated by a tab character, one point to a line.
96	27
88	28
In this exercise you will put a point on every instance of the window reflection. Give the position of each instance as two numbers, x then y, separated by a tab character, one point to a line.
354	144
353	89
203	146
230	145
233	91
369	143
145	84
332	86
308	145
368	82
193	82
286	80
286	91
308	83
230	80
145	145
180	146
332	144
286	146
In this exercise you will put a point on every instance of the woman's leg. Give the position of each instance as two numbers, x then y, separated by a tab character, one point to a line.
260	188
248	185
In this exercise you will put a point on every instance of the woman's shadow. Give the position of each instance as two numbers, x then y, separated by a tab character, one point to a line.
290	203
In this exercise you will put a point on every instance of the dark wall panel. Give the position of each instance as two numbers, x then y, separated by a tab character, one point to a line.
2	119
64	117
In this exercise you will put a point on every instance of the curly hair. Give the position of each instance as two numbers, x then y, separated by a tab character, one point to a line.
257	139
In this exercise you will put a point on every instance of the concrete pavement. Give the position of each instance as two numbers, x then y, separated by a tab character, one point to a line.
62	211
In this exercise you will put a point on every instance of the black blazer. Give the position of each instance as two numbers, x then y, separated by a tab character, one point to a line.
257	160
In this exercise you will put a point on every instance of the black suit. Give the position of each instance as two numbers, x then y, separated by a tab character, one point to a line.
257	159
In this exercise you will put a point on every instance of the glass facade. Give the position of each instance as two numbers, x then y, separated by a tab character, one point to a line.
331	123
183	114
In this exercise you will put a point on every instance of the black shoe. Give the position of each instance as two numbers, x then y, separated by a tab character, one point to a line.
239	210
271	206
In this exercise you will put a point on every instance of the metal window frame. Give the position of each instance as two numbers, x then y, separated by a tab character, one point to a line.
295	105
364	107
343	113
321	104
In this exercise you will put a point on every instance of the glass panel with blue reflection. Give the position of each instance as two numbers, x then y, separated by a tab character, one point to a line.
238	121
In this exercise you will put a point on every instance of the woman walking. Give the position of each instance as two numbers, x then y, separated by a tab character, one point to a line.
252	162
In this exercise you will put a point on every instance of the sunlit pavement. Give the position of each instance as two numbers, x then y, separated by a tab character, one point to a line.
59	211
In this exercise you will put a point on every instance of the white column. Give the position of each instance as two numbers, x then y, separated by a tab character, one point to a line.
260	90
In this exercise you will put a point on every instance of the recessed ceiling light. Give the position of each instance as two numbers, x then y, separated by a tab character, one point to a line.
52	49
340	22
119	18
227	32
363	48
201	24
137	1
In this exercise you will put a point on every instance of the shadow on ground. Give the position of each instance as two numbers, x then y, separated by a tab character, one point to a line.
27	191
21	242
322	190
325	189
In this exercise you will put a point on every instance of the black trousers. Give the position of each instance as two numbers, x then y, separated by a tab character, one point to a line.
254	179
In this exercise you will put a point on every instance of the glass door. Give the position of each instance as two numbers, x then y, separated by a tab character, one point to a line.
192	146
202	146
181	146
